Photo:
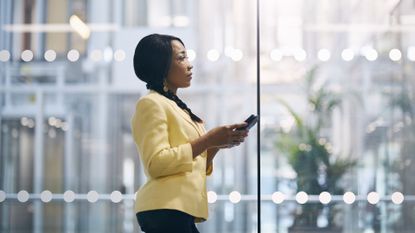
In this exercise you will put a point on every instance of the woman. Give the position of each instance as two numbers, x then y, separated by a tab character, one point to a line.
174	148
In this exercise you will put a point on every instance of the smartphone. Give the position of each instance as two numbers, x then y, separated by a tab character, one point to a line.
251	121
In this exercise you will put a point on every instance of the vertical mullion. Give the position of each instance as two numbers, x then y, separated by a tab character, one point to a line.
259	118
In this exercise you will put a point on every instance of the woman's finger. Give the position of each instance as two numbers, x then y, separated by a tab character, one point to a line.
237	137
235	126
240	133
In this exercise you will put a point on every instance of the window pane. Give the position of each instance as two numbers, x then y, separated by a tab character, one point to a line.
333	120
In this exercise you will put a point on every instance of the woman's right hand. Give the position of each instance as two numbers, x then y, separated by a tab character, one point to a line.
226	136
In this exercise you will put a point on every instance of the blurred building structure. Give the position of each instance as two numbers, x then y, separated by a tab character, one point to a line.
68	89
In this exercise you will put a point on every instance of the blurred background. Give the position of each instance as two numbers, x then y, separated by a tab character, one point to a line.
337	112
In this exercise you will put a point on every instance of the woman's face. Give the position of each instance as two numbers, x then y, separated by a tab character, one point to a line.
180	73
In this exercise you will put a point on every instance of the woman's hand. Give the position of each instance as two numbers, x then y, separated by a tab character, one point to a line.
220	137
226	136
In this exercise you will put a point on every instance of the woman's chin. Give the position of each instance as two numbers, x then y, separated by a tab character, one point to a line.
187	85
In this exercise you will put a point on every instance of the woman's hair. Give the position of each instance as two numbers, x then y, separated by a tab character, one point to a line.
152	59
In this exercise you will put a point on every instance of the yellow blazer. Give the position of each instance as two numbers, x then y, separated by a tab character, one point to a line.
162	132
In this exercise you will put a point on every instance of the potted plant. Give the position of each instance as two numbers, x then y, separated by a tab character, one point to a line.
310	154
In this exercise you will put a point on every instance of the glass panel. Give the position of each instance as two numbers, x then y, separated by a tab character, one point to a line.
85	104
135	13
17	151
336	102
57	13
158	13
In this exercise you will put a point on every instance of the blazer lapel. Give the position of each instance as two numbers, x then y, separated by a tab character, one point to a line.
186	116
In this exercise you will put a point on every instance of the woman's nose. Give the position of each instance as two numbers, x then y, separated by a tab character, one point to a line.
190	66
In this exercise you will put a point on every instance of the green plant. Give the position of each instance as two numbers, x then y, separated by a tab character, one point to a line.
310	154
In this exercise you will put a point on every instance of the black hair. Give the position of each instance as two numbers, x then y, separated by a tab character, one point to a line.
152	58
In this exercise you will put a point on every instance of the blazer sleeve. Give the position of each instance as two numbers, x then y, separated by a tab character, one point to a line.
150	131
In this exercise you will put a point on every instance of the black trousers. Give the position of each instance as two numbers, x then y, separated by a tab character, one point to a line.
166	221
